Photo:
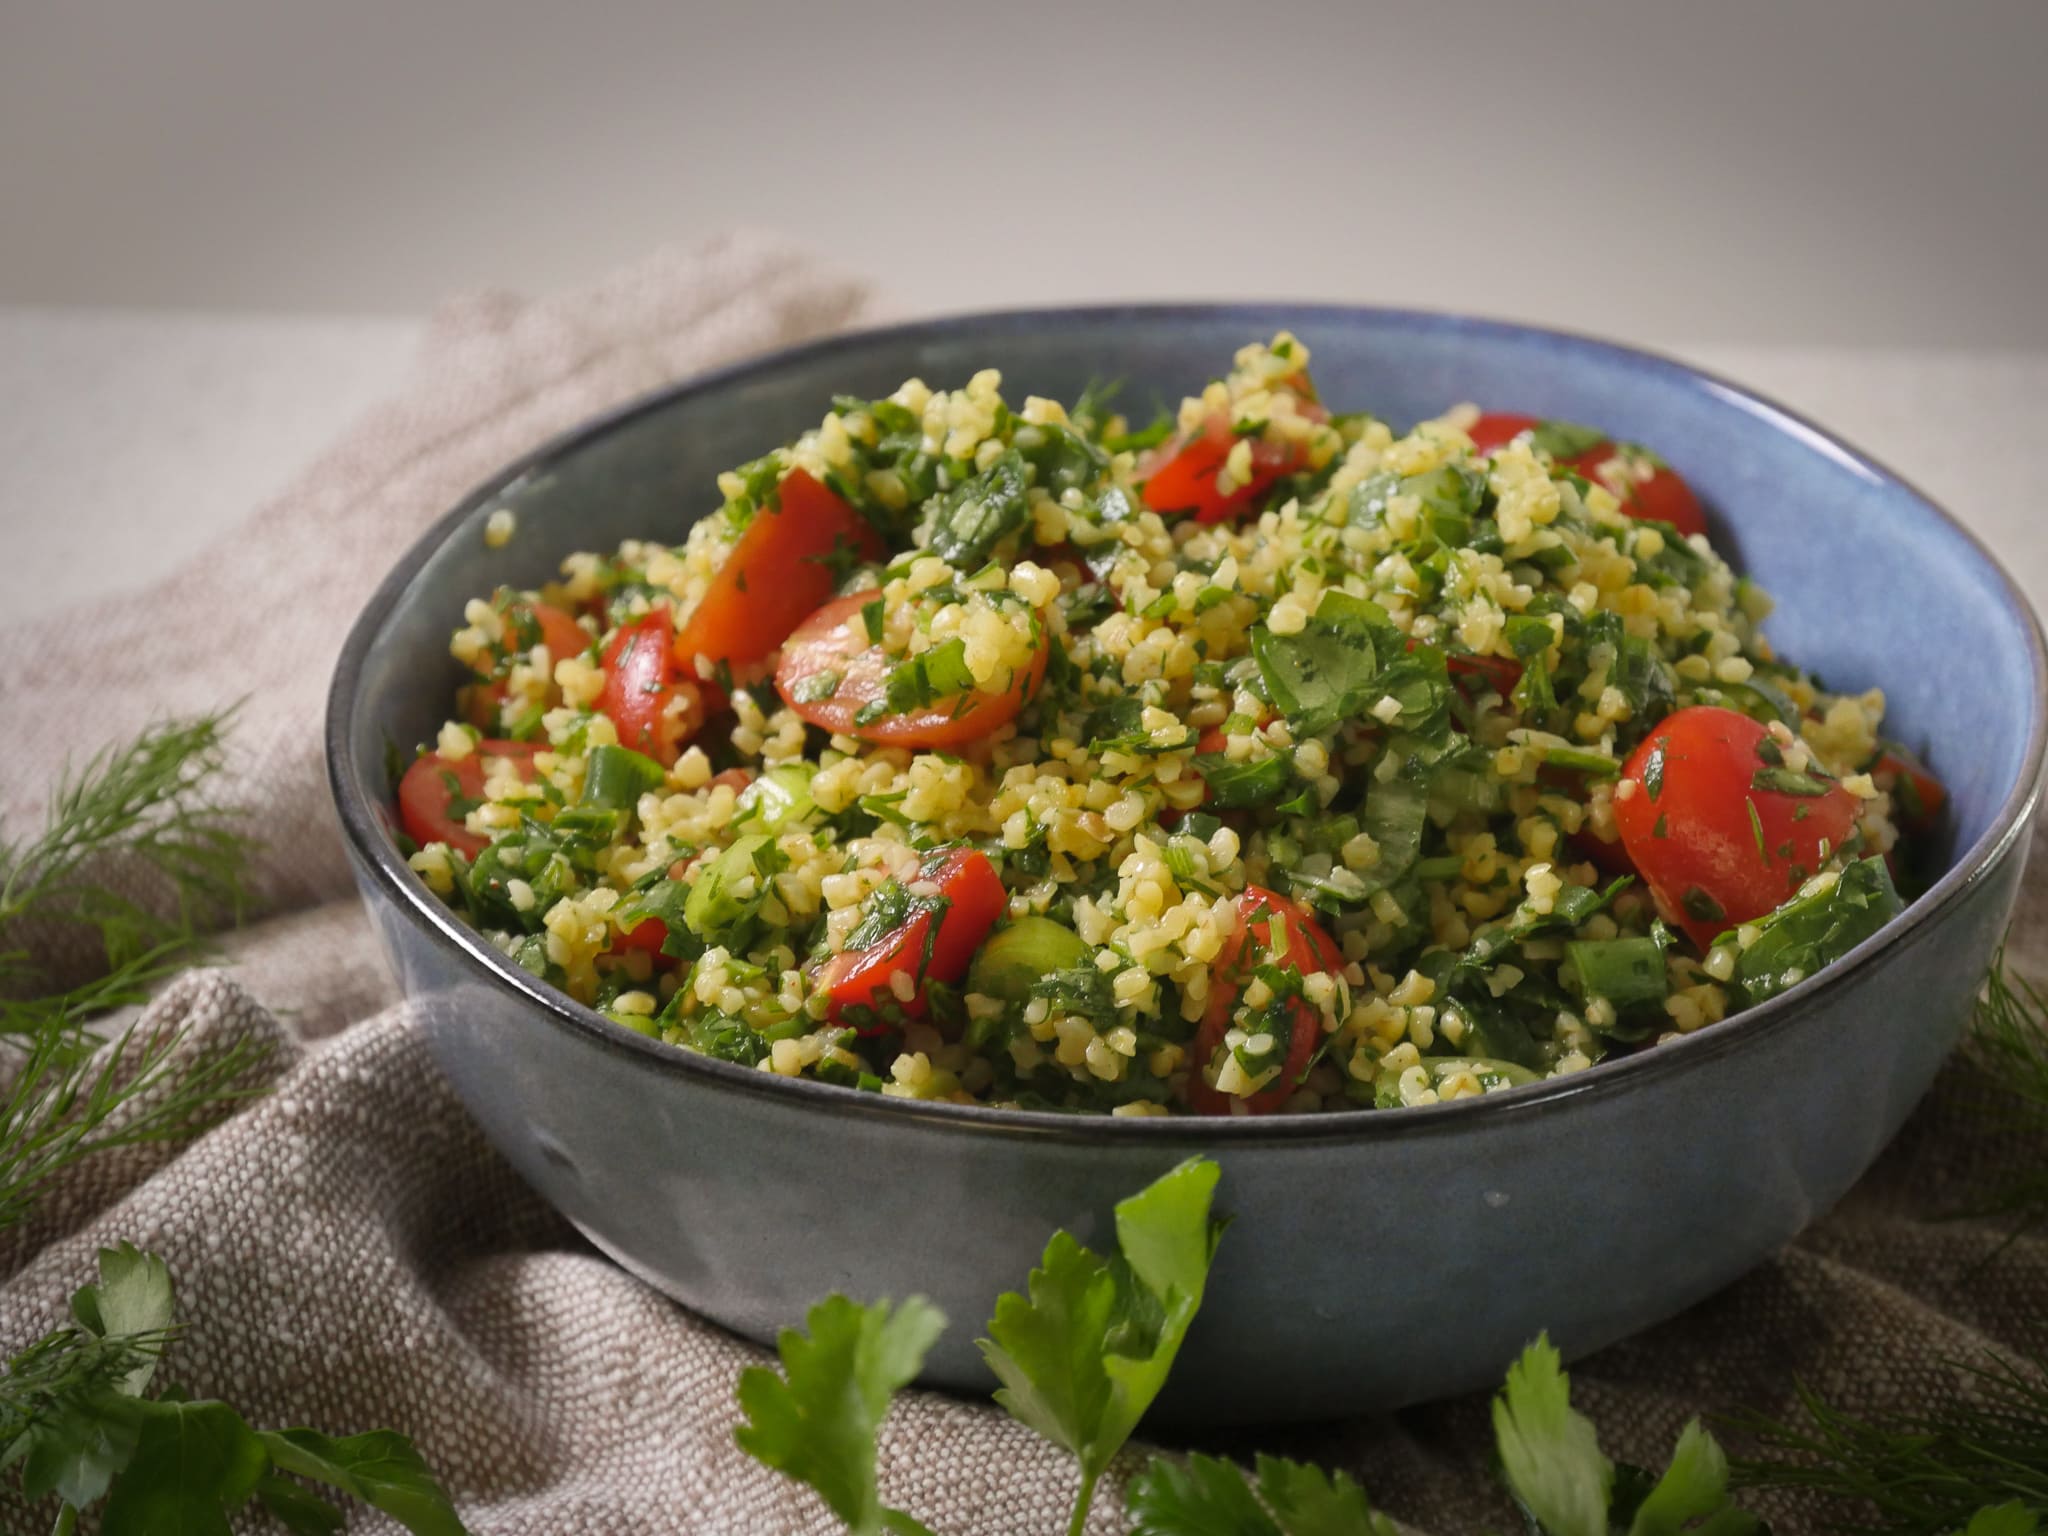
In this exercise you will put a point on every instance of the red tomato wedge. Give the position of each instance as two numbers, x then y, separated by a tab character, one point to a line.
1663	497
1720	829
1271	922
1211	740
1917	795
860	979
481	704
647	936
833	644
640	680
428	793
1500	673
1496	428
545	624
775	576
1180	476
1609	856
559	631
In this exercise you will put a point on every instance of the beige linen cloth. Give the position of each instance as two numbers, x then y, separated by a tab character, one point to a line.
350	1253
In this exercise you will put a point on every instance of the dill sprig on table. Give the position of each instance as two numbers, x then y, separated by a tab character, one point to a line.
2009	1037
1919	1474
66	1103
148	809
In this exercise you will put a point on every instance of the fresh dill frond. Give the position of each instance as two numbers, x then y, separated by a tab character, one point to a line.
149	1084
51	1377
150	809
2009	1044
1920	1474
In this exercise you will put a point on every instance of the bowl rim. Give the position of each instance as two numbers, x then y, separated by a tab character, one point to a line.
378	860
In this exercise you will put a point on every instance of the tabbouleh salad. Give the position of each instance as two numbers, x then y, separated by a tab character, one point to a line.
1262	759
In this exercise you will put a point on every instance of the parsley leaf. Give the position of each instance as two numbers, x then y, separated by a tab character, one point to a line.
1064	459
1212	1497
1565	439
1253	782
964	525
1692	1496
1206	1497
132	1299
1551	1459
193	1463
72	1414
1311	1502
919	681
816	1421
67	1406
1813	929
1150	436
2013	1519
1084	1355
1549	1454
381	1468
1325	672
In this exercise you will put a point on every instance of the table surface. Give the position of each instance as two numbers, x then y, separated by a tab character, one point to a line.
129	439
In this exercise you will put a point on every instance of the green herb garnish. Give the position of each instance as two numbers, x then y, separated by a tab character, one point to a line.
75	1418
817	1419
963	526
1084	1354
1330	670
1784	781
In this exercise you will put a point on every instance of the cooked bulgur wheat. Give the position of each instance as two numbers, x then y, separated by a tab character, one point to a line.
1384	675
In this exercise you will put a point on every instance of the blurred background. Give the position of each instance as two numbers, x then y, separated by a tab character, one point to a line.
1854	171
269	196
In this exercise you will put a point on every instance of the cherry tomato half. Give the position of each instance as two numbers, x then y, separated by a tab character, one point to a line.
1476	674
1917	795
1498	428
559	631
432	789
1662	496
834	641
1180	475
860	979
1722	831
647	936
482	703
775	576
1283	932
641	680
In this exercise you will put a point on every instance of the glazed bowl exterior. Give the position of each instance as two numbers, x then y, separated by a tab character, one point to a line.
1374	1258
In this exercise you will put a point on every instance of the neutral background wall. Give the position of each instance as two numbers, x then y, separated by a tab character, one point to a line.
1842	172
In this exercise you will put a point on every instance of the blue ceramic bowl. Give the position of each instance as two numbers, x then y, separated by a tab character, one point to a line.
1375	1258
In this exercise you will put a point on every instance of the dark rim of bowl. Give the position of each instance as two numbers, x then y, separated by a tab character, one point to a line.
379	857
